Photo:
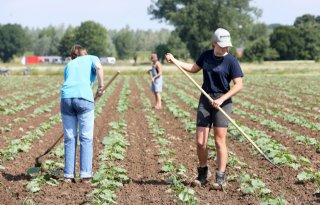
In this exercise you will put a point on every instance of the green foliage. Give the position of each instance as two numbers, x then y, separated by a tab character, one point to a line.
310	36
252	185
110	176
298	42
144	42
45	41
67	41
274	201
256	50
13	41
123	103
258	30
195	21
49	177
307	20
309	175
147	40
257	46
285	39
161	51
177	46
24	144
125	43
93	37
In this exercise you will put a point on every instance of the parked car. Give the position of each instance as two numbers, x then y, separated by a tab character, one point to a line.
108	60
4	71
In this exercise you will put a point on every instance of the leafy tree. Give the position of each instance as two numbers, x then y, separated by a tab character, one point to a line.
161	50
287	42
177	47
67	41
307	20
271	54
149	39
111	49
146	41
45	42
195	21
257	31
256	50
92	36
13	41
310	38
298	42
125	43
308	27
53	36
258	46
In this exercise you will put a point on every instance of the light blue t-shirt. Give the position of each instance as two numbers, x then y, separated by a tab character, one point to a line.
79	76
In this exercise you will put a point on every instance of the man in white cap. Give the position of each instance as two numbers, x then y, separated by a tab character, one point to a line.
219	69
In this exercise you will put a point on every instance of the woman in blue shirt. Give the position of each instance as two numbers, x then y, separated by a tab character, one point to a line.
77	110
219	69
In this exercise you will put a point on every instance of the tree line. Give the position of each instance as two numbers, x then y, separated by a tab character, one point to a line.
194	23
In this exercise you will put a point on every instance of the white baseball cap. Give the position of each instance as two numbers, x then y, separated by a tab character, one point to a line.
222	37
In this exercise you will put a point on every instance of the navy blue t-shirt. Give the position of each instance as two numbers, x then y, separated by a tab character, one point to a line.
218	71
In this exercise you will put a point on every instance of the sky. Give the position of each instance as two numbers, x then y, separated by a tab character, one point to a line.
117	14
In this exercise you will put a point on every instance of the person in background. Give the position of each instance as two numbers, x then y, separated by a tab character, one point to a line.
156	77
77	110
219	69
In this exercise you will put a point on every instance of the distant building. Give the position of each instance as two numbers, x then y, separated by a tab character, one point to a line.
43	59
51	59
4	71
58	60
30	60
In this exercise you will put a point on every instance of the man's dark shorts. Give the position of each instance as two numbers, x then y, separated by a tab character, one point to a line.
208	116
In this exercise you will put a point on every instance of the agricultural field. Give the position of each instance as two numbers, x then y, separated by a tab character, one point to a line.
148	156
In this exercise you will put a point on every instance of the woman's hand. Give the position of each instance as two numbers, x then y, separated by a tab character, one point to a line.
217	103
99	91
169	58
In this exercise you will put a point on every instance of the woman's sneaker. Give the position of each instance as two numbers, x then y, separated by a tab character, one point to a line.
69	180
221	181
203	176
86	180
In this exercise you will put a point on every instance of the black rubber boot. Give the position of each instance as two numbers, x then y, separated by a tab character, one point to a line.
203	176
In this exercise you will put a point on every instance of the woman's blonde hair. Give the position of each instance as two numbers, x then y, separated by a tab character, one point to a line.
78	50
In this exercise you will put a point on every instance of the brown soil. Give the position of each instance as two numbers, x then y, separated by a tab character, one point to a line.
294	193
19	129
147	185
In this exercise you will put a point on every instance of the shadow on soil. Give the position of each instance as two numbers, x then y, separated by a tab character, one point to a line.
18	177
149	181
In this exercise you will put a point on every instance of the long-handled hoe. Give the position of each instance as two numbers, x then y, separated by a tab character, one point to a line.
227	116
37	167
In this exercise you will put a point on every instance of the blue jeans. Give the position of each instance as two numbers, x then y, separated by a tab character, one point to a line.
77	113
